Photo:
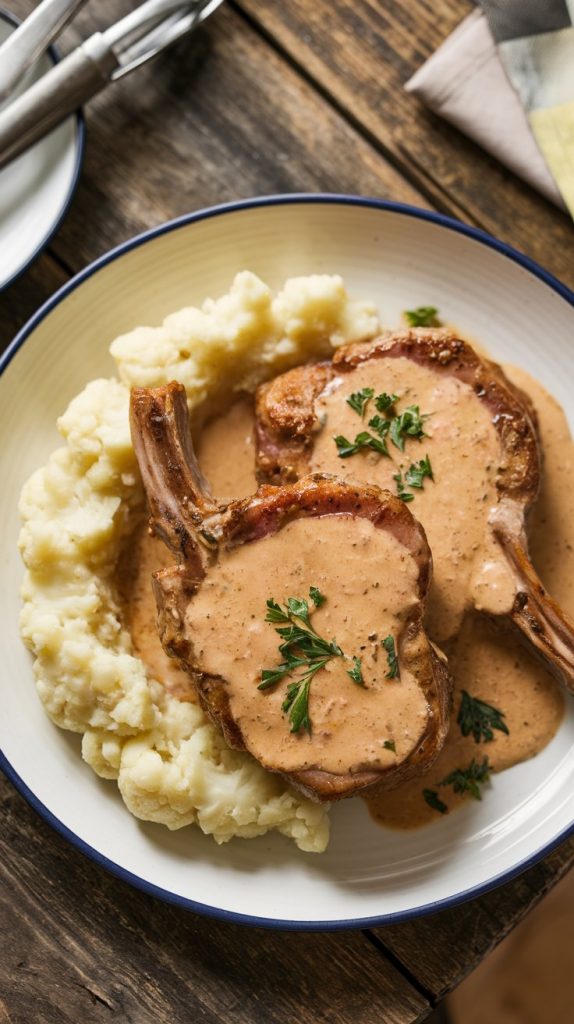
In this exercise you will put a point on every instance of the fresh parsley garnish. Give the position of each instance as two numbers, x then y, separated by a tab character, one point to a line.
390	745
383	402
297	704
356	672
401	492
302	651
469	780
433	800
346	448
392	659
479	718
359	399
380	425
317	597
408	423
414	477
417	472
422	316
398	427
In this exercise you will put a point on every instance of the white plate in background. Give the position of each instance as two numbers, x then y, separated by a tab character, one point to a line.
401	258
37	188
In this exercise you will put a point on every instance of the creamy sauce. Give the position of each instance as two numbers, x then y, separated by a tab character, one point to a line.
225	452
142	556
463	448
490	663
488	660
370	587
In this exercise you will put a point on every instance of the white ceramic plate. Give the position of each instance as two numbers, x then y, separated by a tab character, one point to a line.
37	188
401	258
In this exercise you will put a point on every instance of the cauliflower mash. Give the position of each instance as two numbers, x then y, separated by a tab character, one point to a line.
171	764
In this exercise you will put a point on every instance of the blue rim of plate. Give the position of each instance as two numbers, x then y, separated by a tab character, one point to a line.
122	873
80	142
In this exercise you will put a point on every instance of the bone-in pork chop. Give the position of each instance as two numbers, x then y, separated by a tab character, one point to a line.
298	614
418	411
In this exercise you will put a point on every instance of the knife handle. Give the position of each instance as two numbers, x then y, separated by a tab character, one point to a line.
53	97
31	38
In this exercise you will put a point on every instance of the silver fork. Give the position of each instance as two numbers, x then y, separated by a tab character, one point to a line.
103	58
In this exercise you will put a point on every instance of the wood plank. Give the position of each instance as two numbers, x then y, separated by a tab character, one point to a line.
360	55
25	295
222	118
442	949
86	947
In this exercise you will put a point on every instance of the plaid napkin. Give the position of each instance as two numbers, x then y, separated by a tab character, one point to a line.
506	78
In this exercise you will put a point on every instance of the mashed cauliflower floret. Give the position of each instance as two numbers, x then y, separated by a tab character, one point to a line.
234	342
171	764
182	772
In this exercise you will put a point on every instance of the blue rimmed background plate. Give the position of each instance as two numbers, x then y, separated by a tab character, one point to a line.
37	188
398	257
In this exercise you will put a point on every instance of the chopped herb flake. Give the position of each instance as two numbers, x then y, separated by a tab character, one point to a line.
356	672
317	597
422	316
433	800
359	400
401	492
392	659
363	440
408	423
469	780
417	472
479	718
383	402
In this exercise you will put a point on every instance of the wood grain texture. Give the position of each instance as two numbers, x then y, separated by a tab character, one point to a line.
223	118
442	949
360	55
86	947
27	294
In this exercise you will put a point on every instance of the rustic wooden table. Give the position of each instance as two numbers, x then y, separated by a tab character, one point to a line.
269	97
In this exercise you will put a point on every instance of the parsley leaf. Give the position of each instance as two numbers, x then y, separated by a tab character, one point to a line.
390	745
356	672
302	651
384	401
408	423
297	704
433	800
392	659
422	316
346	448
359	399
275	612
479	718
299	609
468	780
380	425
417	472
401	492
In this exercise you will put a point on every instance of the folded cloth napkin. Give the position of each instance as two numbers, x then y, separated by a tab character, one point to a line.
465	81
